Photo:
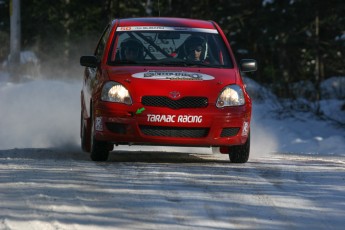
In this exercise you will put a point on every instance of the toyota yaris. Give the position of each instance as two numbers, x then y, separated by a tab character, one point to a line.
165	81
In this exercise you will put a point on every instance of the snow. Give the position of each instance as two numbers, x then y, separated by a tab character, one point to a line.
26	56
333	88
300	132
294	178
46	114
39	114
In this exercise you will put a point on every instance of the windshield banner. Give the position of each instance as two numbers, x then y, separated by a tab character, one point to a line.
165	28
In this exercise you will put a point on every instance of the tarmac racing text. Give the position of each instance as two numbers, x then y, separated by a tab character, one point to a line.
174	118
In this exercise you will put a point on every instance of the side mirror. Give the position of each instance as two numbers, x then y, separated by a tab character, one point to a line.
89	61
248	65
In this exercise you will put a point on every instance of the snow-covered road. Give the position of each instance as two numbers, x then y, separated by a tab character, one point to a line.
62	189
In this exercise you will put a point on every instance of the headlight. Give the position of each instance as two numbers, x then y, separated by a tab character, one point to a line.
115	92
231	95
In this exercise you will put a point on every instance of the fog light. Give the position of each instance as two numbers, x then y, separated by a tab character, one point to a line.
98	124
245	129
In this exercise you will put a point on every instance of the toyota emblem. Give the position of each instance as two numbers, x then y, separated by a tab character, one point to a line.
174	94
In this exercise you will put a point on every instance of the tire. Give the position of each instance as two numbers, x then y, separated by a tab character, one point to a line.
99	149
240	153
84	135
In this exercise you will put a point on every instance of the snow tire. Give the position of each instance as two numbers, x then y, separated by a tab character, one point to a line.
84	135
99	149
240	153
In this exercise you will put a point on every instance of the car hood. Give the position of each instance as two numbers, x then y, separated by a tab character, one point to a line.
140	81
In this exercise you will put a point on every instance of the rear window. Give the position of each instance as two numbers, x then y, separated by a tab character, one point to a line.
173	46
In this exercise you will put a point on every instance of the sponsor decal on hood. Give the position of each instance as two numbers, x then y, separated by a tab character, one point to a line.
173	75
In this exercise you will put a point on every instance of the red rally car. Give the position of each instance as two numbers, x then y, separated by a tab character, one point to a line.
165	81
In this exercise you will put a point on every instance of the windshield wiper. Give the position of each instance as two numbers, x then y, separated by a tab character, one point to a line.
180	62
204	64
168	62
172	62
196	63
126	62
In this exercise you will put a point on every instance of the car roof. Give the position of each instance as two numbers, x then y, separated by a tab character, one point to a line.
165	21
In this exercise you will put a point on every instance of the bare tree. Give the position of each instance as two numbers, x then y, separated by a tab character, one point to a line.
15	38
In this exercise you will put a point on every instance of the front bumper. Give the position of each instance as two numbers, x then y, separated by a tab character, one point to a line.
135	124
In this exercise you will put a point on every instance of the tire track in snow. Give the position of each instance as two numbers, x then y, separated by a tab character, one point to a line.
53	189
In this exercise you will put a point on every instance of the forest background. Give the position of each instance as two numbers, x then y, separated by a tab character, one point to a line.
294	41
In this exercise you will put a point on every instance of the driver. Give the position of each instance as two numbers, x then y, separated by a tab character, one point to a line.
196	48
131	50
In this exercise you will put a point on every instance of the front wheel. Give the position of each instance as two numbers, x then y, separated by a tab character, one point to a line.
240	153
99	149
84	135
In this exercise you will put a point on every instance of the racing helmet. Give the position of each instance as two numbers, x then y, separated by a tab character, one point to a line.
195	43
133	46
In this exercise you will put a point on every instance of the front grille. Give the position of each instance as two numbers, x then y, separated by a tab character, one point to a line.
229	132
160	131
185	102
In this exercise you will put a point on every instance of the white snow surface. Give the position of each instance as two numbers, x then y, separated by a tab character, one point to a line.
295	177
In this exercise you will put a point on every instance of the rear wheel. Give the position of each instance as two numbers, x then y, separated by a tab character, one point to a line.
99	149
240	153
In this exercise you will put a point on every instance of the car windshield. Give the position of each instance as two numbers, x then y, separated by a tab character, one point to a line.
169	46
